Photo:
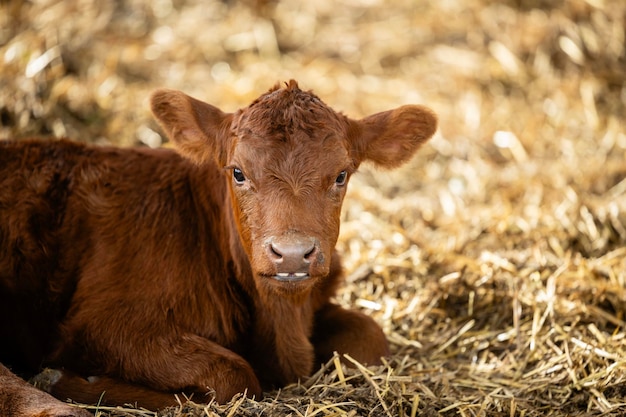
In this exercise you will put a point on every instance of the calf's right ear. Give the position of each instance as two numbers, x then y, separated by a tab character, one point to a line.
199	130
391	138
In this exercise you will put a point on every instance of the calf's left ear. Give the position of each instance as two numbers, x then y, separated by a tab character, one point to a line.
199	130
391	138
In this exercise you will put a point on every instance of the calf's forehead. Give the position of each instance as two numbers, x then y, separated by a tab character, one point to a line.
288	112
295	158
290	123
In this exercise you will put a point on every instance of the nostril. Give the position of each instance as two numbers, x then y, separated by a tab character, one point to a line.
274	253
310	253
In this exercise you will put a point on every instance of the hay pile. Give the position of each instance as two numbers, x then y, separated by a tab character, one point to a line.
495	261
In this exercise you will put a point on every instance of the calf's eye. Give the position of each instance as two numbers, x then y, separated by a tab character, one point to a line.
238	176
341	178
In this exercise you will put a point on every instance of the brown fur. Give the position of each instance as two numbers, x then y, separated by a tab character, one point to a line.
17	398
142	273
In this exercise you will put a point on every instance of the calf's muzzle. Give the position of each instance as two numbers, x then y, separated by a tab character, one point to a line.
294	255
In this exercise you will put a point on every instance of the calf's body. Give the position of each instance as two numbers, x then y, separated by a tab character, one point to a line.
144	273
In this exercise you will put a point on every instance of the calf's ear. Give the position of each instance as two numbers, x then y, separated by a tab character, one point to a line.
391	138
199	130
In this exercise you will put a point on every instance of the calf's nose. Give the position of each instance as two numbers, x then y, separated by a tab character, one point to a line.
292	254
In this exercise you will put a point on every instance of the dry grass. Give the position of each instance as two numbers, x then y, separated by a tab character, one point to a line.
495	261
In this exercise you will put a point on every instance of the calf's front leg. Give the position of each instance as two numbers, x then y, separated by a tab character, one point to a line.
346	331
102	390
189	365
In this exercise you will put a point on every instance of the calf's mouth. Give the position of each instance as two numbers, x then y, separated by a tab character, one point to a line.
291	277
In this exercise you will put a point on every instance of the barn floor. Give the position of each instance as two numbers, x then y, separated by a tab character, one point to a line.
495	261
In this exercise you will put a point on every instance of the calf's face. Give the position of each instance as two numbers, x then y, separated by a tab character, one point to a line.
288	158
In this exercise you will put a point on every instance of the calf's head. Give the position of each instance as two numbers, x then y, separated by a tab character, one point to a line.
288	158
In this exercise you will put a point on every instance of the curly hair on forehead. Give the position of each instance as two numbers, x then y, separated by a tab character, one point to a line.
285	110
290	91
291	85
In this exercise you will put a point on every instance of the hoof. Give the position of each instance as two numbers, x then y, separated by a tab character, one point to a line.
47	379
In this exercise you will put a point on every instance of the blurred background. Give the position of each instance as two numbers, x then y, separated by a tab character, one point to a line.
515	211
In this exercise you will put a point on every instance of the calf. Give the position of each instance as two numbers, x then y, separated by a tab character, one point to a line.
142	273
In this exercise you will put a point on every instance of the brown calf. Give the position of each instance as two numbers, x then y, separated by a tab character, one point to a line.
142	273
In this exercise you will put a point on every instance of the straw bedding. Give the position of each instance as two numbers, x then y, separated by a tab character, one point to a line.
495	261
